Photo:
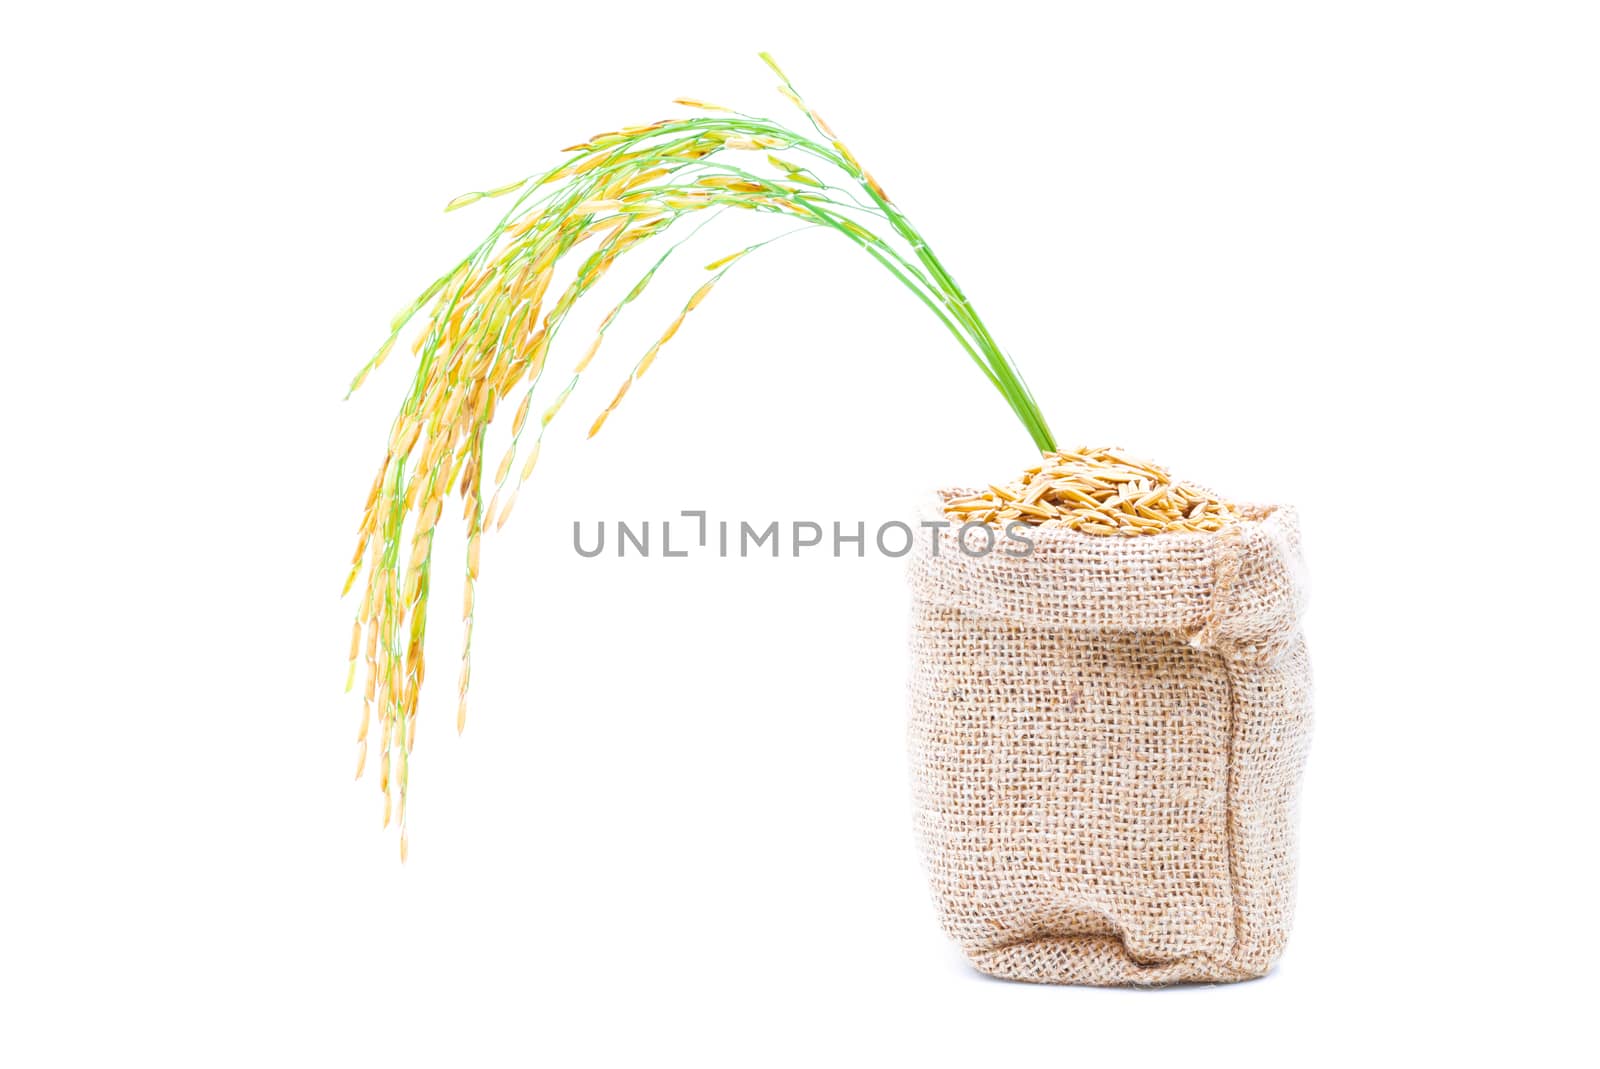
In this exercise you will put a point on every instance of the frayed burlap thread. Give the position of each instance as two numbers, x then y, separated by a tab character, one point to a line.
1106	740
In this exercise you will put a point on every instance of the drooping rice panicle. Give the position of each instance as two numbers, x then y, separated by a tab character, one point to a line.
487	332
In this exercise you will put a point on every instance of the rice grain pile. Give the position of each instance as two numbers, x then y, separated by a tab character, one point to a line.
1096	491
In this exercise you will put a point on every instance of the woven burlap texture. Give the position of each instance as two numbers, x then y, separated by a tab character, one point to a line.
1107	739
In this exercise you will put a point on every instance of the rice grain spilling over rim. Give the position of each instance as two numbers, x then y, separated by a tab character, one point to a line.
1096	491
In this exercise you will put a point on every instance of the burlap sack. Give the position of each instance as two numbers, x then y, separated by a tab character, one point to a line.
1106	745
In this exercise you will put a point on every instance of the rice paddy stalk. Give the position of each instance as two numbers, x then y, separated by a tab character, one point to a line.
490	322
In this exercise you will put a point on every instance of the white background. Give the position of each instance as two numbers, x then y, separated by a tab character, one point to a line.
1343	256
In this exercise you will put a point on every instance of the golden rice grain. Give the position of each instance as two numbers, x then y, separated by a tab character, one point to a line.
505	513
694	301
691	102
527	465
594	347
726	260
430	515
522	414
